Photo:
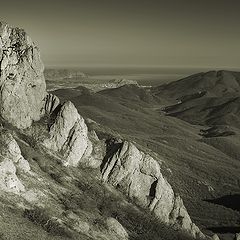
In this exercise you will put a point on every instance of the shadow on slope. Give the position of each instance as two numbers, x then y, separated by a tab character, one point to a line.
224	230
229	201
185	160
208	111
74	192
132	93
214	83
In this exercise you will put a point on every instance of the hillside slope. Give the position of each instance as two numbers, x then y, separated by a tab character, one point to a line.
63	180
210	100
213	83
200	160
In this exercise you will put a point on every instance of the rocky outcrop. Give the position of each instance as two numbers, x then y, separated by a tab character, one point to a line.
139	176
69	136
22	84
11	163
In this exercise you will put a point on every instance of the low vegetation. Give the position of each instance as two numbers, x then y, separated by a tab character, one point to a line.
52	225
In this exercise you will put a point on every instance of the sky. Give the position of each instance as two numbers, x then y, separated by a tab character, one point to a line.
180	33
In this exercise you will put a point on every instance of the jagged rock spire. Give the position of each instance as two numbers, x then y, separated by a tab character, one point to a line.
22	84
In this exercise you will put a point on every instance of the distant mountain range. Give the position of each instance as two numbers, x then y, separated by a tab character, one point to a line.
211	98
213	83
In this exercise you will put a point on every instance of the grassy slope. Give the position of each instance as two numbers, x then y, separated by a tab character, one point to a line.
194	164
57	191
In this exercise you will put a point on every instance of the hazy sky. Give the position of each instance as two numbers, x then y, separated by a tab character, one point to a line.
176	33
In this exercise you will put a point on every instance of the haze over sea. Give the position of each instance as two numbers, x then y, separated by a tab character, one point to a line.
145	75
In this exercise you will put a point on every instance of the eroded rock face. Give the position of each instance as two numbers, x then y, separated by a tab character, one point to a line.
51	103
22	84
11	162
69	136
139	176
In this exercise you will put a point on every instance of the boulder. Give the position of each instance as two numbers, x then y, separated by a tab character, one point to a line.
22	83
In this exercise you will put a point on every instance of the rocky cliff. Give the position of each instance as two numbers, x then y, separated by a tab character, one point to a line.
139	176
23	100
22	83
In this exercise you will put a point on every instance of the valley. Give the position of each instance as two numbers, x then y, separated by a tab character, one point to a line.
196	140
115	158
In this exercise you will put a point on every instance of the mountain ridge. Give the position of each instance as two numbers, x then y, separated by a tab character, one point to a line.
214	83
52	129
198	157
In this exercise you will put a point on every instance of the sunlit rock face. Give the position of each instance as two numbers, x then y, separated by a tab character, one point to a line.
11	164
22	84
139	176
69	135
23	97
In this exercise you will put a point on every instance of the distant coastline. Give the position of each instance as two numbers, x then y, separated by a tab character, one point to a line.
145	75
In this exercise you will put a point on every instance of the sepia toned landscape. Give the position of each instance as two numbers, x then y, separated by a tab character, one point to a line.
105	136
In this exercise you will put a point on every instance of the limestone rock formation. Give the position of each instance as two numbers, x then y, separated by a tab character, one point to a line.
139	176
69	135
22	84
11	162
